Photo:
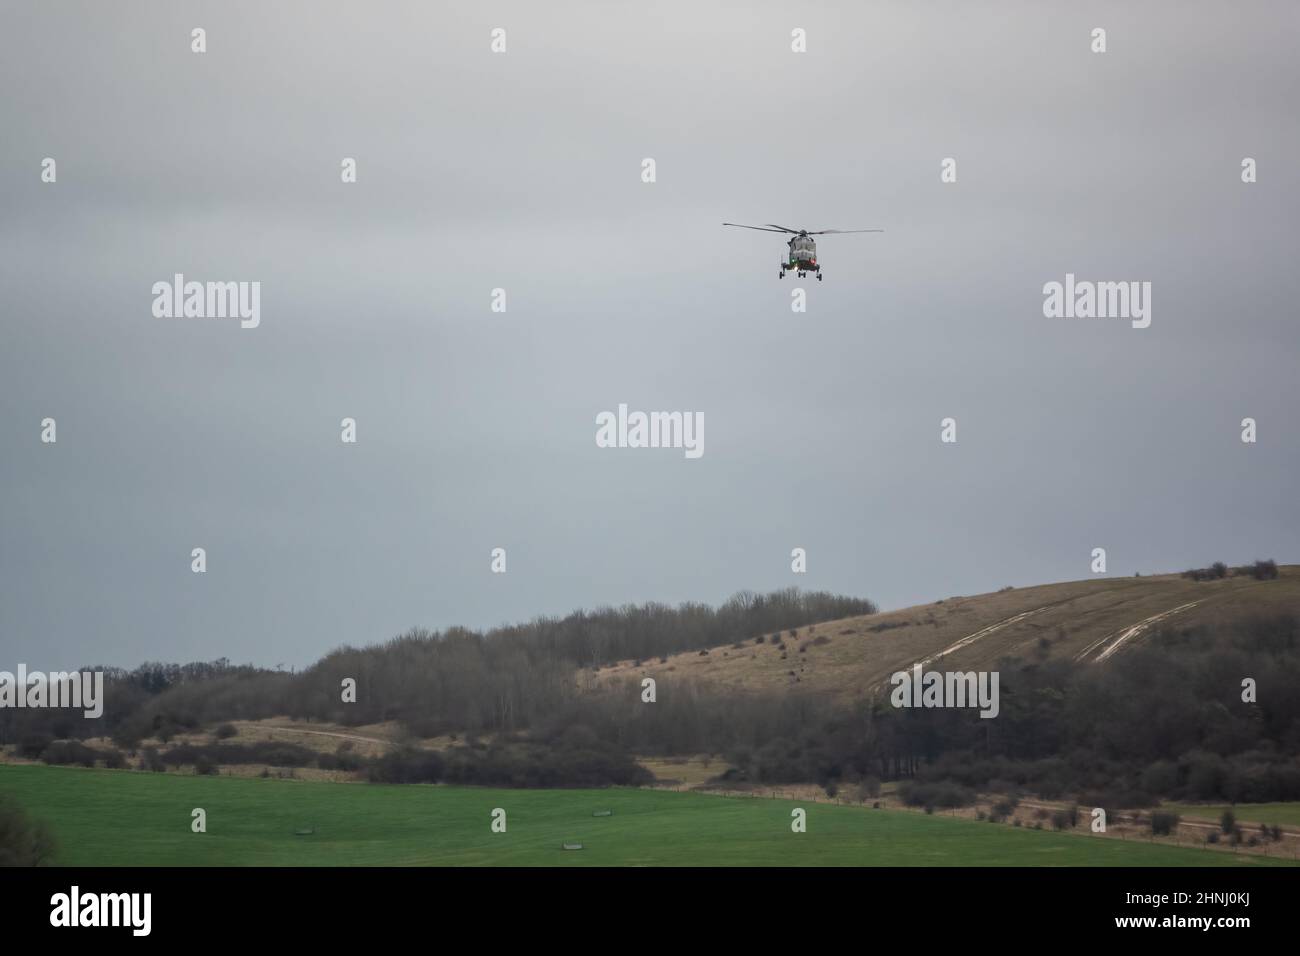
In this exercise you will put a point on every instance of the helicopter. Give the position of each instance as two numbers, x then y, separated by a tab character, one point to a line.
802	257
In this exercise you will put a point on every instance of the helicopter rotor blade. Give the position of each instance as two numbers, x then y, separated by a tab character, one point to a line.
833	232
785	228
759	228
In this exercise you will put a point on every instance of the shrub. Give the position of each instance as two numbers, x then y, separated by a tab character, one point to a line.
23	840
127	738
1002	809
868	789
226	731
406	765
570	761
941	794
1214	572
1265	570
341	759
1163	822
63	752
263	751
1228	821
33	745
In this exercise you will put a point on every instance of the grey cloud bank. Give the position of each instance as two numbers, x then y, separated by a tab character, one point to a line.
522	171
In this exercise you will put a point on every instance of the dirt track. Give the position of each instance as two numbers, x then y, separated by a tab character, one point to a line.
1111	643
328	733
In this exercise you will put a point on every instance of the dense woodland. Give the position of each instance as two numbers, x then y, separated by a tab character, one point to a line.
1166	719
458	680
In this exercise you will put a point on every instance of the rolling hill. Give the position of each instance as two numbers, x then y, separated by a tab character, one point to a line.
1090	622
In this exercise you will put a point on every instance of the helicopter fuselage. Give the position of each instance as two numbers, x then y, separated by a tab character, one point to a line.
801	255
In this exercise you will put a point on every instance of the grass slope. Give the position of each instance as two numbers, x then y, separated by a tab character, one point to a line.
1249	815
123	818
1064	619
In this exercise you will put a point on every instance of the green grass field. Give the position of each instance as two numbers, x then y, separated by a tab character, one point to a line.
123	818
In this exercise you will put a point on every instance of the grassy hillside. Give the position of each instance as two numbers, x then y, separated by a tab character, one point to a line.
122	818
1247	814
1076	619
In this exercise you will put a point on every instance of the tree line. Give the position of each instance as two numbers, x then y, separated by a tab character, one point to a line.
459	680
1165	719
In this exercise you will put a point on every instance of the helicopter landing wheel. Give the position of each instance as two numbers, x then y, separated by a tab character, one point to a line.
780	275
819	277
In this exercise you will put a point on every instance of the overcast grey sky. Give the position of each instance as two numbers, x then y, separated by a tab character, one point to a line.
522	171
